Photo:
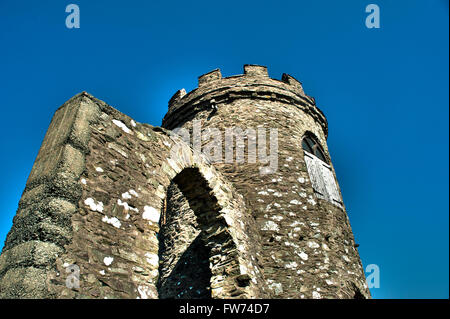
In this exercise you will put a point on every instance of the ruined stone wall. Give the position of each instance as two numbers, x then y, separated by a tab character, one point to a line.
133	211
307	246
93	202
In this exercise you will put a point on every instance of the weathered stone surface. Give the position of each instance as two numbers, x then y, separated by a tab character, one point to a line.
29	283
307	246
135	212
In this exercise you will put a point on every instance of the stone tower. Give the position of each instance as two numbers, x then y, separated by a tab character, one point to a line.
235	196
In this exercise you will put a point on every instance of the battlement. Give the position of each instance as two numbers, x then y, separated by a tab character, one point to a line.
253	83
209	77
255	70
216	75
253	74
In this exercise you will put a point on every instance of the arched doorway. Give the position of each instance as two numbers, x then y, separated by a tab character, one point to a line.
193	240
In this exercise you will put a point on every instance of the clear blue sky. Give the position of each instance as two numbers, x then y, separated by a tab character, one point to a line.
384	92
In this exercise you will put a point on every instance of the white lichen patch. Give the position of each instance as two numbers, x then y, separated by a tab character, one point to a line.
277	194
243	269
99	169
270	225
126	195
122	126
345	257
112	221
301	180
102	272
95	207
303	255
291	265
133	192
275	286
83	181
151	214
296	223
287	243
108	260
313	244
133	123
311	201
263	193
295	202
152	259
126	206
153	273
316	295
277	218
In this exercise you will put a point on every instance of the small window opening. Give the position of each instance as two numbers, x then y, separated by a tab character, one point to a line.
320	172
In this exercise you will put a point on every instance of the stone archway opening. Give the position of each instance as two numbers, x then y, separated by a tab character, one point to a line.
192	239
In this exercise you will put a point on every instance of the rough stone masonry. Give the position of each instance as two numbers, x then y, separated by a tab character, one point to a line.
110	197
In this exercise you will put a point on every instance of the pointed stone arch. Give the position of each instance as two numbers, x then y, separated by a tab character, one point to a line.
210	220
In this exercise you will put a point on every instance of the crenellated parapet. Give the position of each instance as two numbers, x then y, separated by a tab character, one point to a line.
255	83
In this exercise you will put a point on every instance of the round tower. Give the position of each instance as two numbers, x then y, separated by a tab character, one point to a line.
269	140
